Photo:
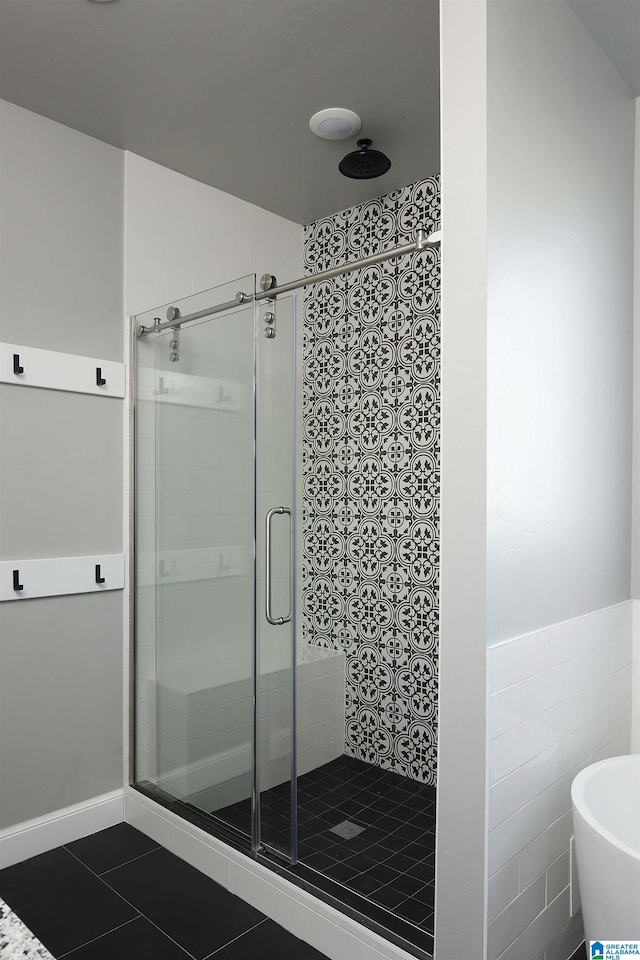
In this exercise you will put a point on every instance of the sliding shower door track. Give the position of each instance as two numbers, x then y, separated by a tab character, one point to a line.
400	932
205	821
395	929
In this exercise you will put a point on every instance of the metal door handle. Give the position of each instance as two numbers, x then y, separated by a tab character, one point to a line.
276	621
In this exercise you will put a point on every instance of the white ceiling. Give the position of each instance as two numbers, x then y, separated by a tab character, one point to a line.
615	26
222	90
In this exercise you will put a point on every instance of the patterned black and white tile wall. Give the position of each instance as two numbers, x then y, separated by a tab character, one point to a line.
371	473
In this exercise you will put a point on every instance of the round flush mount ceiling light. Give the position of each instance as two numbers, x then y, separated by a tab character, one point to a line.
335	123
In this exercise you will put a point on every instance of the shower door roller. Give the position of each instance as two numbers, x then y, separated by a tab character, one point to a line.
276	621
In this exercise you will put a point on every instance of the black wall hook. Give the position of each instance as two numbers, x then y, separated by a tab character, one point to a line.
16	364
99	579
16	581
100	381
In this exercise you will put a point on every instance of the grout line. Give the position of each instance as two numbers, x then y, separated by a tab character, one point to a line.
133	907
361	815
239	937
125	862
149	920
102	935
96	875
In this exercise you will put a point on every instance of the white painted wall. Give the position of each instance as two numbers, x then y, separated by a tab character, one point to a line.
559	400
182	236
61	223
635	546
553	451
461	846
635	529
61	262
635	541
560	221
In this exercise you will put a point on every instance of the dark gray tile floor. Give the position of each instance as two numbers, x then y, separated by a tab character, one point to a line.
117	894
391	862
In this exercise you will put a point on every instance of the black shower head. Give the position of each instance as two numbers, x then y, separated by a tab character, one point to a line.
364	164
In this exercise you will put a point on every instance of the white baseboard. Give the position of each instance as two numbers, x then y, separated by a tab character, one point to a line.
333	933
62	826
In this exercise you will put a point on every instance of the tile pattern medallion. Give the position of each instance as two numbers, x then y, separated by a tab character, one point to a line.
371	473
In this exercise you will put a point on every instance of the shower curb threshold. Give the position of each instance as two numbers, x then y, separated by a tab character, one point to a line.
291	904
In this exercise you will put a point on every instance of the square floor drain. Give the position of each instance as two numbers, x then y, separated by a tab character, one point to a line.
347	830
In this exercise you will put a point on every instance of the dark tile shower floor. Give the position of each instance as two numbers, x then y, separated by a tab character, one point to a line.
391	862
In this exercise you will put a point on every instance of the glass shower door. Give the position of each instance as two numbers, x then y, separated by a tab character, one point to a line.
276	542
214	679
197	550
